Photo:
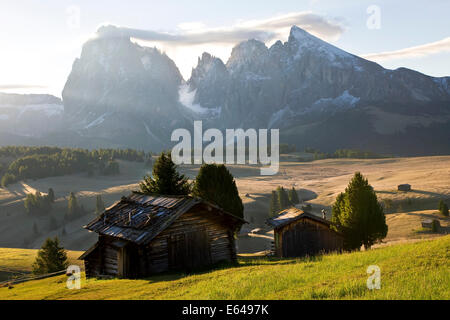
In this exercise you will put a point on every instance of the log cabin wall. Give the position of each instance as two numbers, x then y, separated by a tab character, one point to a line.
109	256
103	260
195	239
306	237
92	264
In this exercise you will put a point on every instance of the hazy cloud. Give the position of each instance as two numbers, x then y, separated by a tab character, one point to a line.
412	52
196	33
20	86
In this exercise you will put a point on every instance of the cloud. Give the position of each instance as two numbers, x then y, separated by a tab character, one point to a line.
196	33
185	44
412	52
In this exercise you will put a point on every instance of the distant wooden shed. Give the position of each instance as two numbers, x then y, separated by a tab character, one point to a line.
142	235
428	223
298	233
404	187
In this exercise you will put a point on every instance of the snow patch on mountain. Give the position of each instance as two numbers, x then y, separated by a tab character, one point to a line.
251	76
97	121
444	83
306	42
280	115
344	100
186	98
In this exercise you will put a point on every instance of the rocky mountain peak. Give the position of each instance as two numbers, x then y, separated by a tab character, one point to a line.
245	53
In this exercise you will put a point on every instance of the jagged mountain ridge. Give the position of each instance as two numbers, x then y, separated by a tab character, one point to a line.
124	95
305	74
314	92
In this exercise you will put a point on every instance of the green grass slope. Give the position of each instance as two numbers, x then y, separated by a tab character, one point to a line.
18	262
408	271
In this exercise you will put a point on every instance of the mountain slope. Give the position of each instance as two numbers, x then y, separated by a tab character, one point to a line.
25	117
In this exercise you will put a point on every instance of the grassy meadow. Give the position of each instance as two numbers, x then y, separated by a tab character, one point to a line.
417	270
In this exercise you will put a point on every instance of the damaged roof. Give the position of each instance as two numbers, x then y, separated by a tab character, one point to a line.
140	218
293	214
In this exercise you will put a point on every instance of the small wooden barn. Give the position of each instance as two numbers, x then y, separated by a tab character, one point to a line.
404	187
298	233
142	235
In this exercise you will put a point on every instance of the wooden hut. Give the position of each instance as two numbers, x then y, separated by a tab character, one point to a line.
298	233
404	187
142	235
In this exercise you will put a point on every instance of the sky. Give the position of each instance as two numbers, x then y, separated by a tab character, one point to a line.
41	39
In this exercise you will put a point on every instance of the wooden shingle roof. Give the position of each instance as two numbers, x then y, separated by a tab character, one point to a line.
140	218
293	214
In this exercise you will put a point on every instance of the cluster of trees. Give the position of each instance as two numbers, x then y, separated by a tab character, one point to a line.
41	162
123	154
443	208
282	199
214	183
344	153
22	151
74	209
358	215
38	204
286	148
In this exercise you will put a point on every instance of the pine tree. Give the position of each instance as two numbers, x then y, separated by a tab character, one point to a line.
283	198
358	215
72	206
99	205
165	179
443	208
216	184
51	195
293	196
50	258
274	205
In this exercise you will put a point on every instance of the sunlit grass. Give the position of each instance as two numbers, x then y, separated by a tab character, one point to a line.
408	271
22	259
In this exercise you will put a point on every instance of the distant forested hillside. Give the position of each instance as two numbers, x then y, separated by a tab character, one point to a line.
20	163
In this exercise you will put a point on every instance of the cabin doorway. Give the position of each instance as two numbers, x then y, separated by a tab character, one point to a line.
128	261
189	251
